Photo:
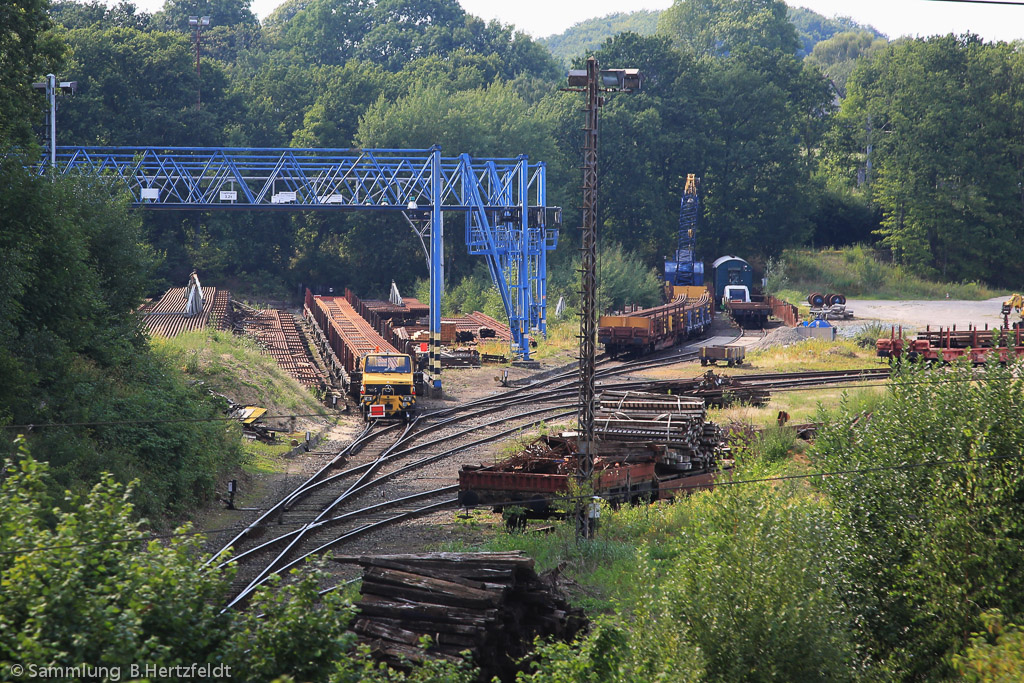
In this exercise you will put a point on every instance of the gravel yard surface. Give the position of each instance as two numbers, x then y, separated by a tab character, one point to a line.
917	314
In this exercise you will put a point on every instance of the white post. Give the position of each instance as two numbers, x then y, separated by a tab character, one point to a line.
51	91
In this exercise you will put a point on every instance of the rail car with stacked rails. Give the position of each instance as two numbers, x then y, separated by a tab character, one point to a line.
652	329
947	344
381	380
650	446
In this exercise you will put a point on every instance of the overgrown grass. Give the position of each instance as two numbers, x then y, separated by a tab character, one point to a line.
859	272
265	458
801	406
562	340
236	367
810	354
870	333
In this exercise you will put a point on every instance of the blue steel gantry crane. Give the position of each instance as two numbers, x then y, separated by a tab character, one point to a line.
503	199
684	270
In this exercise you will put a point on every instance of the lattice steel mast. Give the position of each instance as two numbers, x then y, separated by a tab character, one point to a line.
588	294
593	82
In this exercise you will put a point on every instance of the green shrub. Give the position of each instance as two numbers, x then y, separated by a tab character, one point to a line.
926	549
723	586
870	333
774	444
994	656
89	586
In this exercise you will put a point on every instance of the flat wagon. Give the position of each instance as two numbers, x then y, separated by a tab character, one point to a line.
687	315
730	355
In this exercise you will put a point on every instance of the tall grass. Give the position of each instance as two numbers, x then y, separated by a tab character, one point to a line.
237	367
860	272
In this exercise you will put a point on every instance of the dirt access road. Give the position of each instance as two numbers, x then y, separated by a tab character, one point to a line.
918	314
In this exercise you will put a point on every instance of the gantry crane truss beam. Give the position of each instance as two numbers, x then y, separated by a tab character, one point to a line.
503	200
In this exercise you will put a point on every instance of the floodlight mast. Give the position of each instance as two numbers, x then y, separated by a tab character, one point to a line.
592	81
198	23
50	86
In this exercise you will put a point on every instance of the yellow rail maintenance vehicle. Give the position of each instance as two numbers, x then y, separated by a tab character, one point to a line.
387	387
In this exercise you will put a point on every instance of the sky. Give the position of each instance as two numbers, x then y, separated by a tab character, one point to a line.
895	18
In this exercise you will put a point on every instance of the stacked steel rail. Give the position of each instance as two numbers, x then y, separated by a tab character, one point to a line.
396	323
342	335
166	317
275	331
656	328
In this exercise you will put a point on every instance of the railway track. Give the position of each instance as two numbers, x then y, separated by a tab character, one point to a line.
361	488
367	485
371	482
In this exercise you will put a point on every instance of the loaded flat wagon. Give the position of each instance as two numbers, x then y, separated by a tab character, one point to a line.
537	482
946	345
648	446
379	379
687	315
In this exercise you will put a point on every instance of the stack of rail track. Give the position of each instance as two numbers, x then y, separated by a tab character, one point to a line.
492	604
722	390
388	319
166	317
479	326
342	335
400	326
978	345
715	390
407	313
661	327
277	334
676	422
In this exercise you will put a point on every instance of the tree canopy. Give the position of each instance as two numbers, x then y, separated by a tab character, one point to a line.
727	97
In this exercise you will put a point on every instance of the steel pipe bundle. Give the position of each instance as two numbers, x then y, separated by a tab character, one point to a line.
674	425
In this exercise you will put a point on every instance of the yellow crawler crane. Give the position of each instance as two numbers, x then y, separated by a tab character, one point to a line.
387	388
1014	303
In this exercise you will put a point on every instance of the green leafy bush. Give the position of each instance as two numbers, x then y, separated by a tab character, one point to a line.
90	586
726	586
994	656
74	356
930	522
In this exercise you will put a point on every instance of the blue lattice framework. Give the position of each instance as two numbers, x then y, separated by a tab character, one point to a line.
685	269
503	199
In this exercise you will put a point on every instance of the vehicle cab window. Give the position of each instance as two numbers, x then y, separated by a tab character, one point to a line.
396	364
